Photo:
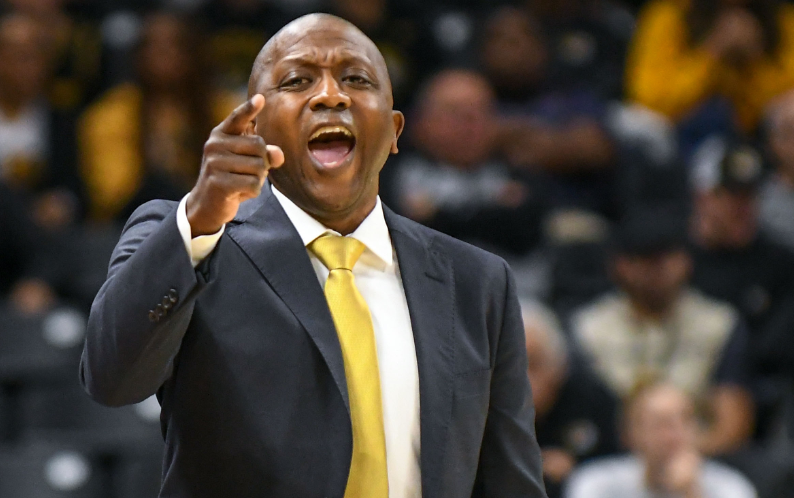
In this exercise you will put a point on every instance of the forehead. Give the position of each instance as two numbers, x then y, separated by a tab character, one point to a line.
323	45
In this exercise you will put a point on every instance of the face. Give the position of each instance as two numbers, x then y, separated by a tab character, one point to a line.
165	56
367	14
25	68
513	53
653	281
781	140
662	423
726	219
545	371
456	120
329	107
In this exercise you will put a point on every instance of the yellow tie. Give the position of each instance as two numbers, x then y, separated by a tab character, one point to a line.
368	476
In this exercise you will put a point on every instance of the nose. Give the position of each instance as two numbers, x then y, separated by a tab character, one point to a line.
329	95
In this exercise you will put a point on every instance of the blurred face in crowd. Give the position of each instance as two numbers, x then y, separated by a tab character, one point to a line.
653	282
661	424
165	57
546	367
37	7
366	14
456	119
726	218
328	105
781	138
514	53
24	69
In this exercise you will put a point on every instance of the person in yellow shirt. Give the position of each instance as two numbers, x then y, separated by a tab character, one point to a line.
142	141
688	52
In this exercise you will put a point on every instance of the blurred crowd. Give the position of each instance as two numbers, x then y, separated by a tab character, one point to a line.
632	160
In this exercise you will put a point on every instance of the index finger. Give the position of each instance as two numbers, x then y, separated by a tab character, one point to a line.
237	122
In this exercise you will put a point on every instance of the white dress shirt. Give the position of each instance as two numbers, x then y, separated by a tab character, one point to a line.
377	277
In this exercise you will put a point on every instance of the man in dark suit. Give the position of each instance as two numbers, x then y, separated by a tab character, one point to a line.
406	379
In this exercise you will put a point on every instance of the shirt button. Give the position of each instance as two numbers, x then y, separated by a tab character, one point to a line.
153	316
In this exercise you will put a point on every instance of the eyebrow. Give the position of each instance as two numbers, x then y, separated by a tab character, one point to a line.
314	57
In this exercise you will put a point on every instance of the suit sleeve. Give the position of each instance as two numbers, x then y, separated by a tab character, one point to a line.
510	461
142	311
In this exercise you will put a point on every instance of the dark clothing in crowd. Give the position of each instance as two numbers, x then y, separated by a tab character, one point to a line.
759	281
582	422
469	204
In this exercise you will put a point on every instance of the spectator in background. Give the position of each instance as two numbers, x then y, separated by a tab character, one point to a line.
735	263
551	131
37	156
455	183
723	60
395	29
143	141
23	262
657	328
777	193
74	47
237	31
661	428
588	40
575	414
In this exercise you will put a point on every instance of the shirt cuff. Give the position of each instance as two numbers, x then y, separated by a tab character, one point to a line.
200	247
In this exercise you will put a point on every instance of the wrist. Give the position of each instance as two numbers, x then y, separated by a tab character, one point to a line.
198	224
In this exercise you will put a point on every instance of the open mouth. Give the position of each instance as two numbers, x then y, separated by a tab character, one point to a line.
331	145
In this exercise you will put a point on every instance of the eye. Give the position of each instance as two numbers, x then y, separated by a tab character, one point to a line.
294	82
358	80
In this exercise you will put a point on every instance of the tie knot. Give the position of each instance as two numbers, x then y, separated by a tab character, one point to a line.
337	252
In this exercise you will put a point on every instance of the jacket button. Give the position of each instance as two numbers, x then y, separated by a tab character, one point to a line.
153	316
173	296
159	310
167	304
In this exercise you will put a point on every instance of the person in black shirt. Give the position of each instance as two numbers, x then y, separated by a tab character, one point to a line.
576	415
736	263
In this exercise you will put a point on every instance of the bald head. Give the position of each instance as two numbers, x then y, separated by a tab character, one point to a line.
303	26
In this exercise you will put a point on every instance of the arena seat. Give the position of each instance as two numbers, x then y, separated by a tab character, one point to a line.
50	470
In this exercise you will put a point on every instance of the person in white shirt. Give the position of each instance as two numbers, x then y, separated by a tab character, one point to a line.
661	429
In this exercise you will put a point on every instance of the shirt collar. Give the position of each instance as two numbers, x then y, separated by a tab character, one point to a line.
372	232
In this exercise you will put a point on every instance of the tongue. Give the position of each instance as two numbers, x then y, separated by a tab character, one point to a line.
330	153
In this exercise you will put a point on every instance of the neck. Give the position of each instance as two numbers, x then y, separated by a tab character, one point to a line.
786	175
346	224
12	105
644	311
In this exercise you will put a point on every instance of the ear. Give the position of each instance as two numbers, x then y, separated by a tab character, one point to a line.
399	125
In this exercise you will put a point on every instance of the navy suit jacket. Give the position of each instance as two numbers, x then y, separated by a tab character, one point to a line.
248	369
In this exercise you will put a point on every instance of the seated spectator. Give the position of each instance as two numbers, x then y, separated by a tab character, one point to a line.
661	429
37	154
736	263
238	30
721	59
455	183
657	328
552	131
588	40
575	413
777	193
143	141
24	266
75	47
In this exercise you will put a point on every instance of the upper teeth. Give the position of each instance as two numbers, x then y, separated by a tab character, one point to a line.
331	129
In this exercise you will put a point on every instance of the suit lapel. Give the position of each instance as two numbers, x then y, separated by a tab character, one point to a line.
428	282
264	232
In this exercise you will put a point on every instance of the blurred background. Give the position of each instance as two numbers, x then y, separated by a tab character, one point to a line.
632	160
